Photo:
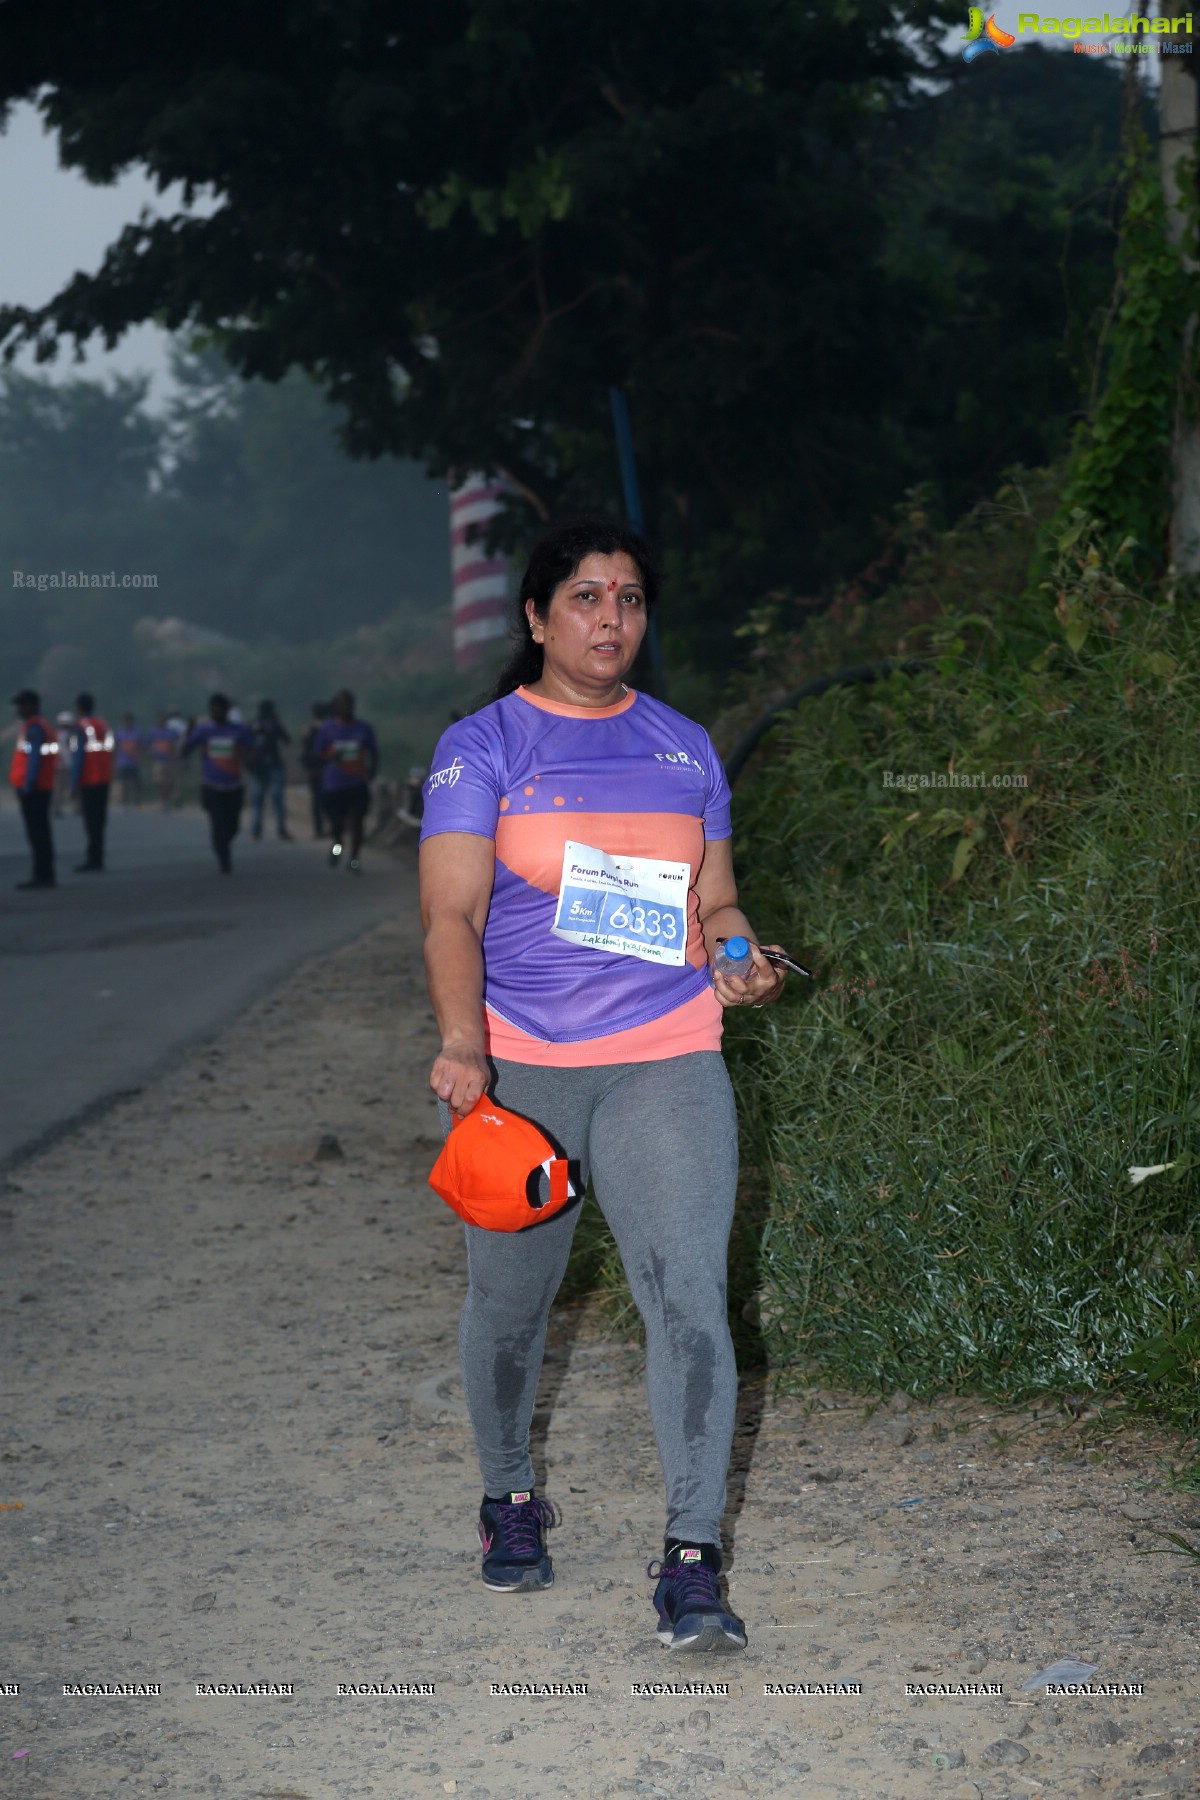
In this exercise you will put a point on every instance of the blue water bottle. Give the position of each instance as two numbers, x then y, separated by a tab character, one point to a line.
733	957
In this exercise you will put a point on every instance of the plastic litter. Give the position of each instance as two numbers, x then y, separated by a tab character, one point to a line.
947	1759
917	1502
1065	1669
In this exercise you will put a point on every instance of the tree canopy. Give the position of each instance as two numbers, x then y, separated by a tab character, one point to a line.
817	278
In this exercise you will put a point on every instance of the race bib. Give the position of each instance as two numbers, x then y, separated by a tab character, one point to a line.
225	754
632	905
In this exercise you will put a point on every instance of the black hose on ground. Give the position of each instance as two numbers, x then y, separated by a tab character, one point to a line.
749	741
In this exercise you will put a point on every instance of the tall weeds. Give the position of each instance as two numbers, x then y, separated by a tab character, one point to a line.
1004	1020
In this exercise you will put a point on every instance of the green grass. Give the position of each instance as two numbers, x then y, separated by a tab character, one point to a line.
1004	1020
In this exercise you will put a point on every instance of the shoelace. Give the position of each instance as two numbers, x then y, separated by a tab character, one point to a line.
519	1527
692	1584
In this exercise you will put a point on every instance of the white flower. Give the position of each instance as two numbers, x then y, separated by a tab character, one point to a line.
1137	1176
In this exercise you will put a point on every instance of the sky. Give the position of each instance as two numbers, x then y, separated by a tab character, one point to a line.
55	223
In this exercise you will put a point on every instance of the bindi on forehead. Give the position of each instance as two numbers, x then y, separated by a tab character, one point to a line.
612	587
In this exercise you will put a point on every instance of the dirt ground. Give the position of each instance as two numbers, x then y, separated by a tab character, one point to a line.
235	1451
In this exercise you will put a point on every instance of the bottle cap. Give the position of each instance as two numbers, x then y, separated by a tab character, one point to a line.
736	948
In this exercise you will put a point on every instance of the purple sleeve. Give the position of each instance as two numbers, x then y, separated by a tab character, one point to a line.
462	791
717	799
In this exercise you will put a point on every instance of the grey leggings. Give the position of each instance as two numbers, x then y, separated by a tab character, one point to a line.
659	1141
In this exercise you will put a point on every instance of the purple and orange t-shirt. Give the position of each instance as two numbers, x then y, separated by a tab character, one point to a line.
636	779
348	749
223	749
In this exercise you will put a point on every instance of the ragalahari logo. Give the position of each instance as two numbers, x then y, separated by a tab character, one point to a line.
981	38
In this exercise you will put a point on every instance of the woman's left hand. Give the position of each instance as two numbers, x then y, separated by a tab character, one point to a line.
762	985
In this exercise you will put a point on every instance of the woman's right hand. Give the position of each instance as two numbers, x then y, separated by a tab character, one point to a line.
459	1076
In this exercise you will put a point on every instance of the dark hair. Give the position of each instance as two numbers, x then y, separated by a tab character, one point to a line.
85	702
553	560
221	700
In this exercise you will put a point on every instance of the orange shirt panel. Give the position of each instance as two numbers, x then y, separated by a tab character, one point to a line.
532	845
696	1025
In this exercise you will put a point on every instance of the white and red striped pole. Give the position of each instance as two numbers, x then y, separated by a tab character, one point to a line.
480	582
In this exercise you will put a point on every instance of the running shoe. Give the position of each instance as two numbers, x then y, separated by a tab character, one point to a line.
512	1536
335	855
688	1601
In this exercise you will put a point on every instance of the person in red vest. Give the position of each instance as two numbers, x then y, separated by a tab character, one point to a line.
91	778
31	775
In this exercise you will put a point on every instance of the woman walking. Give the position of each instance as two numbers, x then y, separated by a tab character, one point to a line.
576	880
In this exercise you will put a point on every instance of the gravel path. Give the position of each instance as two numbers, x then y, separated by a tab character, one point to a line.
235	1452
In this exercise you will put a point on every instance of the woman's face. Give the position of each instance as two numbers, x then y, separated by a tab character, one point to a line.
592	631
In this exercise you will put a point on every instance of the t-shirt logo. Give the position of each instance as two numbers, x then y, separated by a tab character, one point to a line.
445	777
680	759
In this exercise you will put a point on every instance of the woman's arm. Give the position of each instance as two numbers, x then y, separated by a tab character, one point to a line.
722	917
457	872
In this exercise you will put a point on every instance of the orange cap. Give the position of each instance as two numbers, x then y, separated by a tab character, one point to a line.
490	1169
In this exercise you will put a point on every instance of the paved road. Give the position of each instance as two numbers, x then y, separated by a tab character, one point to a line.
108	978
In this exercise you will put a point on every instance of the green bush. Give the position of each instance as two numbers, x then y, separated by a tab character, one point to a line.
1003	1021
